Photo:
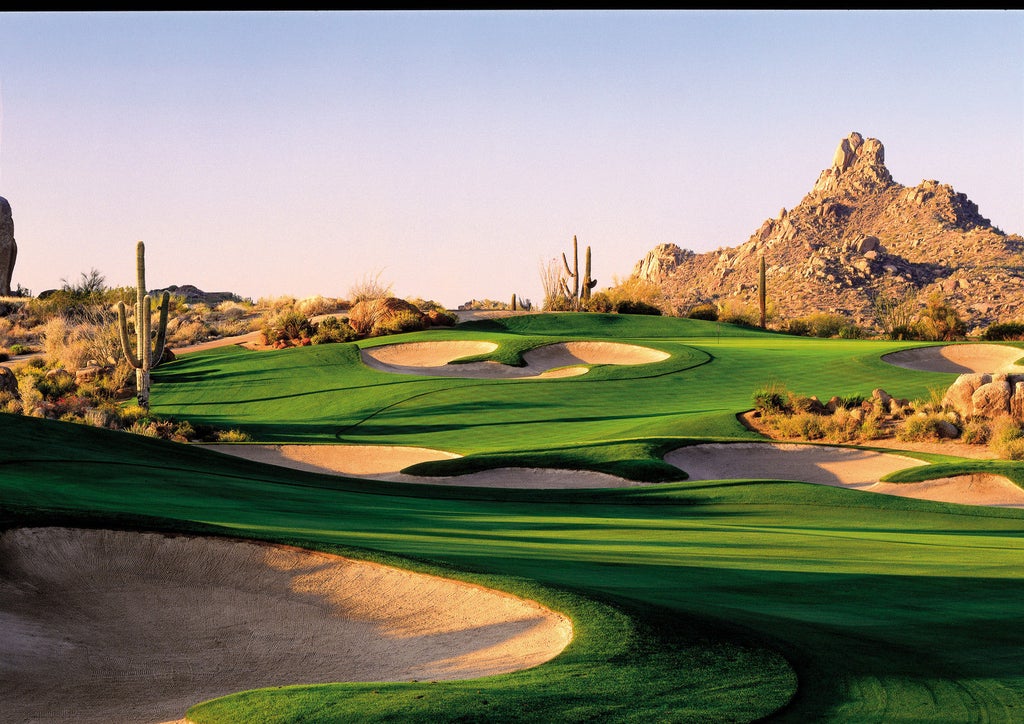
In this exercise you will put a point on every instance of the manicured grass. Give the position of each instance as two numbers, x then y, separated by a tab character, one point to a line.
684	594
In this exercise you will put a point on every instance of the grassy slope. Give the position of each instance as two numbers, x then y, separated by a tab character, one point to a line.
889	609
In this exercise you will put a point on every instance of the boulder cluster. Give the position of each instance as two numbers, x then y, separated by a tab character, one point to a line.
986	395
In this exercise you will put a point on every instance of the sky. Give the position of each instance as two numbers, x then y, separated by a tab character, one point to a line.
451	153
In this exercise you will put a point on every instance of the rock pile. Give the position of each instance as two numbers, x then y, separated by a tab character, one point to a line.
986	395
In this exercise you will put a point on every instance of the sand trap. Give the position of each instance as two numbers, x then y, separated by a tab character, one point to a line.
384	462
958	358
840	467
104	626
563	359
370	461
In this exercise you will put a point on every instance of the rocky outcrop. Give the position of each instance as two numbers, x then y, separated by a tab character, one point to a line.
661	261
8	249
985	395
857	234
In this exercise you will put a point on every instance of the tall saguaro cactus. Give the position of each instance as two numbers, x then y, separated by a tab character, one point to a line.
761	292
580	292
145	356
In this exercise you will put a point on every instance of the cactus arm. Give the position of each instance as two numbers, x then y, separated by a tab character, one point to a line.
145	350
567	269
126	345
161	329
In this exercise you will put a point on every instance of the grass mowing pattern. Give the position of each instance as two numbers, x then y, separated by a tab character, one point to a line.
889	609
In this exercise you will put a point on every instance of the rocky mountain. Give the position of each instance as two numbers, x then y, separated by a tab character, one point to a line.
858	234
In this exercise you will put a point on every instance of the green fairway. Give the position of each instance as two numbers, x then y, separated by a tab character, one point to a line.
692	601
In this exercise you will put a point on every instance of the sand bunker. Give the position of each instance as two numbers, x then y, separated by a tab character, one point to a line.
840	467
563	359
102	626
384	462
958	358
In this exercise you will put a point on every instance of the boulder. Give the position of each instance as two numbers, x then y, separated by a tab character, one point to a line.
8	249
960	393
88	374
8	382
992	399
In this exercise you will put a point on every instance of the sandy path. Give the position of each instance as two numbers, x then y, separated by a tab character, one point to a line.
840	467
562	359
384	462
251	340
958	358
104	626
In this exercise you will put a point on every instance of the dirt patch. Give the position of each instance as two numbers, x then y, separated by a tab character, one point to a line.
384	462
102	626
840	467
251	340
563	359
958	358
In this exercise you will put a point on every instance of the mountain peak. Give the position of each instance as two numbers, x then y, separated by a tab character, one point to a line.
858	163
855	234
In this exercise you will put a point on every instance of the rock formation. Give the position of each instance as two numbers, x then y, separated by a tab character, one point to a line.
856	234
8	249
985	395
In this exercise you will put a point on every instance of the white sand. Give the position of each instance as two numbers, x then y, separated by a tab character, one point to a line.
958	358
562	359
840	467
103	626
384	462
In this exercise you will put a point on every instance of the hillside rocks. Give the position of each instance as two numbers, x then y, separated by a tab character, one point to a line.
856	234
8	249
373	317
986	395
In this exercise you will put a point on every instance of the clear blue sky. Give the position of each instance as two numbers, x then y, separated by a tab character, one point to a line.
453	152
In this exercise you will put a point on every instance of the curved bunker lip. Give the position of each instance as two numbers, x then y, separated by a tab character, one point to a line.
839	467
384	462
104	626
560	359
958	358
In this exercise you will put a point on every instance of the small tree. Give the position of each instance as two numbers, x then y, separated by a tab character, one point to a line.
940	320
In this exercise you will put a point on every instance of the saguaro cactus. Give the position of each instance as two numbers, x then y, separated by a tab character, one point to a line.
580	292
145	356
761	292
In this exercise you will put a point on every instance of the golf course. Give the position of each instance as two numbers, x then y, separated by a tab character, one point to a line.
546	474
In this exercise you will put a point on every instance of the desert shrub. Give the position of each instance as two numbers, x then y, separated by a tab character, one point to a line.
734	311
940	320
637	306
287	328
851	331
819	324
18	349
804	425
707	312
841	426
975	432
921	427
1013	331
400	321
187	330
332	330
313	306
56	386
441	318
851	401
772	398
232	436
369	287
